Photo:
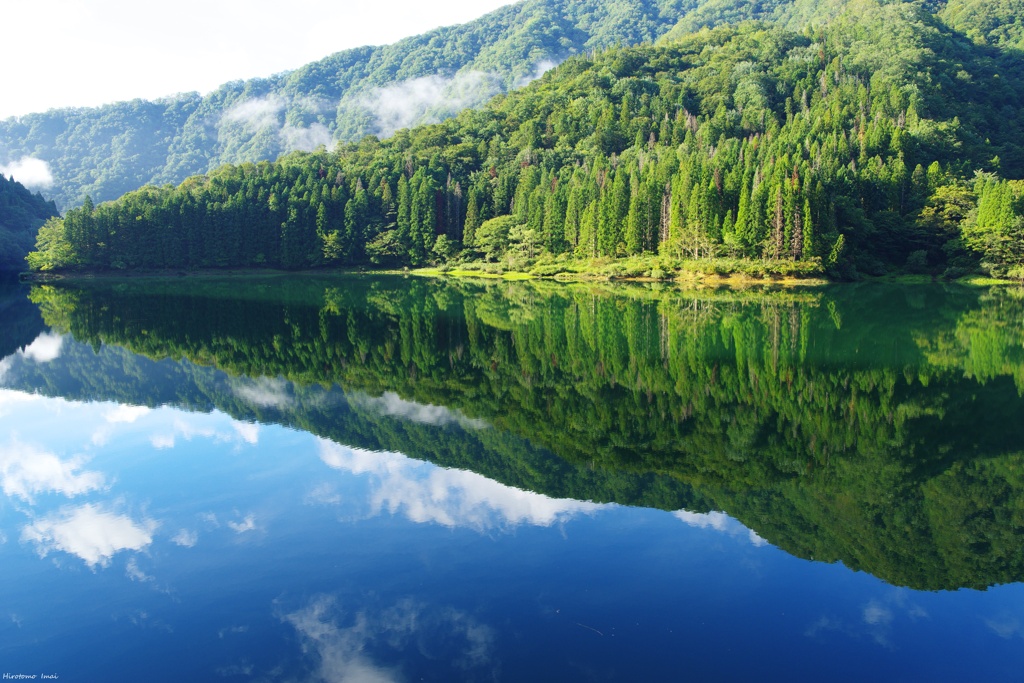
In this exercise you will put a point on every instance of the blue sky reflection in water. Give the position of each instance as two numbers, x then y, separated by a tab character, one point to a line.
162	545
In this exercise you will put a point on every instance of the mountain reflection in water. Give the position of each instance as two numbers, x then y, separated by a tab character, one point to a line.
871	425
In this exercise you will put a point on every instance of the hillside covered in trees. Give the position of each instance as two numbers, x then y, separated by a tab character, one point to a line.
107	151
877	139
21	214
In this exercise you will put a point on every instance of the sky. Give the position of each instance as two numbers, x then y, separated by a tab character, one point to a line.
71	53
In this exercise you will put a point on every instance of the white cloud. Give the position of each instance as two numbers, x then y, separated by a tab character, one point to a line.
705	520
267	113
9	397
875	619
125	414
162	441
1005	627
340	650
121	414
248	431
45	348
102	435
26	471
33	173
428	99
265	392
755	539
455	498
89	532
719	522
189	429
539	69
256	114
185	538
876	614
133	572
247	524
406	626
393	405
323	494
305	139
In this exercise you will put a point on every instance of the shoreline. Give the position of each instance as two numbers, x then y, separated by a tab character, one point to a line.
683	278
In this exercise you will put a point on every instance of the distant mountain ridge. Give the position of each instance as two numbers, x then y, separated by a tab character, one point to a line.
107	151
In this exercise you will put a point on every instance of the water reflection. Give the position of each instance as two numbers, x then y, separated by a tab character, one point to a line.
452	498
340	643
26	471
878	619
867	425
387	483
394	480
390	404
91	532
718	522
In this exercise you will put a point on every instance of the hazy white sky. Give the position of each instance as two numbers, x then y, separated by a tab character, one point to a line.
62	53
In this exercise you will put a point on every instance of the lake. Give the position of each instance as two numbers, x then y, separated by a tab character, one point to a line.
376	478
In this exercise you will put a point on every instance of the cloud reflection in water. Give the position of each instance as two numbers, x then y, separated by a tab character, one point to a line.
90	532
719	522
44	349
26	471
407	628
454	498
391	404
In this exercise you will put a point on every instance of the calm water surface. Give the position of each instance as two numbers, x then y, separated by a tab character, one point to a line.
376	479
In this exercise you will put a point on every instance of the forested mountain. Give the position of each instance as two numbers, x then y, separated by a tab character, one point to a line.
21	214
877	426
107	151
990	22
877	138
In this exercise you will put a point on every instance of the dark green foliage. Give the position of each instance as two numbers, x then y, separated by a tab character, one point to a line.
22	322
21	214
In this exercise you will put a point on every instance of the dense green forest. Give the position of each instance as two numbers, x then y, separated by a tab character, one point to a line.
988	22
878	139
877	426
21	214
107	151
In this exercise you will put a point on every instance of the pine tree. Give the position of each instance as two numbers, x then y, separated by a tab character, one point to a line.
472	219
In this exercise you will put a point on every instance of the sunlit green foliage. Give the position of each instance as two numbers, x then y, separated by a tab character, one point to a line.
990	22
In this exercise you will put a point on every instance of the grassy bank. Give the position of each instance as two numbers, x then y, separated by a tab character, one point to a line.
643	268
